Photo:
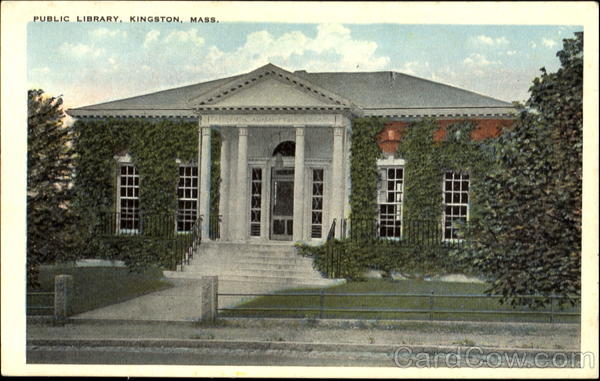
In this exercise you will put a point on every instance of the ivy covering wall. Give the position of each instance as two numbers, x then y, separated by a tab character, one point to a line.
154	148
426	161
364	153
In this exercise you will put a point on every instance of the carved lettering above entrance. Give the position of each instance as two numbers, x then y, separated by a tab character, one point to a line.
276	120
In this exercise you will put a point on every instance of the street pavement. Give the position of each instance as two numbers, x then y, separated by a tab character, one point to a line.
289	342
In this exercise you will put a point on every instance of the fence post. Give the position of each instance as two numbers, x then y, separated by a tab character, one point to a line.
209	298
551	310
321	303
431	306
63	291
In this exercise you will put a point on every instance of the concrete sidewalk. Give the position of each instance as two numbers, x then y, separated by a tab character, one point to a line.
178	303
429	333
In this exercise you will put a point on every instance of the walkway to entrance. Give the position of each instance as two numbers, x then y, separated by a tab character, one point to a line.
179	303
241	268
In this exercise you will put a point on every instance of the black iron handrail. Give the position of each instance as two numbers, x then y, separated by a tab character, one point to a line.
331	234
334	254
186	247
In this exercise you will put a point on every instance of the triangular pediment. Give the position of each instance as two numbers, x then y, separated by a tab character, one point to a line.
269	86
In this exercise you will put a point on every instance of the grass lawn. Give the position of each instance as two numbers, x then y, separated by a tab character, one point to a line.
96	287
310	303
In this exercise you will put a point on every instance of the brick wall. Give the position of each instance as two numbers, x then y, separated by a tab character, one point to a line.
393	132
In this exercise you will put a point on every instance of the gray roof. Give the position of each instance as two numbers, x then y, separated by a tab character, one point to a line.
376	93
172	99
389	89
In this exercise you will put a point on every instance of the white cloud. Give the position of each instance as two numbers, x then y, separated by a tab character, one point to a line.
477	60
548	42
478	64
107	33
332	49
501	41
487	40
151	37
532	44
444	75
80	50
511	52
176	39
416	68
184	37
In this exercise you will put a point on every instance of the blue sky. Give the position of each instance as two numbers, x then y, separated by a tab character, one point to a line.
92	62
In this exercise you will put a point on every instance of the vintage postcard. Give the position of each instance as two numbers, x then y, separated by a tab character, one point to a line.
314	189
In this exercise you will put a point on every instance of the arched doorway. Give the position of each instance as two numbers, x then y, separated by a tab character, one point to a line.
286	148
282	193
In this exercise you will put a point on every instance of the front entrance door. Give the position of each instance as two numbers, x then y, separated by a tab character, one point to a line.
282	204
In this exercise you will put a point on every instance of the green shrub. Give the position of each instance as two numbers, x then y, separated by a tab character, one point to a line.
356	257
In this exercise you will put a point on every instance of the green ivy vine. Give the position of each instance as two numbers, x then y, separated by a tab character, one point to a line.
154	148
364	153
426	161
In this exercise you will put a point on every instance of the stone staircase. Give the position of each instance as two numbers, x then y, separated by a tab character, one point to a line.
272	265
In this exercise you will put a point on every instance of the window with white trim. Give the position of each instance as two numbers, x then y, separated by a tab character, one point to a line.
129	198
255	202
316	226
187	197
390	195
456	202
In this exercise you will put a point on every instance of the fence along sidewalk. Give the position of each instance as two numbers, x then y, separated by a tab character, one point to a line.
61	309
431	311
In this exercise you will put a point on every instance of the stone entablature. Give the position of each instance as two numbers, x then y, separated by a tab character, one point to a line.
274	120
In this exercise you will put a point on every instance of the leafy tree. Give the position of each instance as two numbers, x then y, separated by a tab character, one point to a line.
49	220
528	235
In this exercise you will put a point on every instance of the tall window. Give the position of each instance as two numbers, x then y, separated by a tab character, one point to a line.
256	201
129	199
456	202
187	197
316	227
390	202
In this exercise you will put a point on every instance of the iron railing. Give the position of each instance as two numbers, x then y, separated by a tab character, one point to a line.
40	303
214	227
411	232
334	253
388	235
427	309
343	227
179	231
331	234
147	224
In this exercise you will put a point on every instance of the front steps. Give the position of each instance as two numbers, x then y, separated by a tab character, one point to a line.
273	265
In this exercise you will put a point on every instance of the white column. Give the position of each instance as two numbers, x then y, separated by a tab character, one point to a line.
239	215
298	233
337	176
224	191
204	207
